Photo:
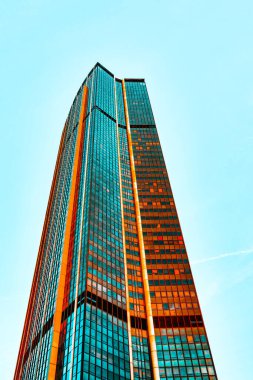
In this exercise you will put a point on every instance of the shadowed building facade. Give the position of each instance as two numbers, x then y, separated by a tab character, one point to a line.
113	295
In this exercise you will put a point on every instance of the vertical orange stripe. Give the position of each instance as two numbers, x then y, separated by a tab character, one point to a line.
62	276
33	292
150	323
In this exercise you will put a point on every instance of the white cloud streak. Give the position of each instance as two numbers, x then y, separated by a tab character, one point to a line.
223	256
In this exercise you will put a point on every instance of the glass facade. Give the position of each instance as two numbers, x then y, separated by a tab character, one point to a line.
113	295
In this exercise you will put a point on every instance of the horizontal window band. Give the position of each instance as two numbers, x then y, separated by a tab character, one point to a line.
118	312
97	301
106	306
168	322
138	323
178	321
141	126
134	80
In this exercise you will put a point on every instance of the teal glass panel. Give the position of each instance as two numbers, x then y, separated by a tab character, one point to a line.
139	108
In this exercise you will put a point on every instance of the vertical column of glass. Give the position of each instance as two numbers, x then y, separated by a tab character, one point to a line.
69	355
175	306
182	345
141	359
58	245
140	349
81	250
40	338
106	351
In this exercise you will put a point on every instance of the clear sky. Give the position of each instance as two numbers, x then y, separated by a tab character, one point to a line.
197	59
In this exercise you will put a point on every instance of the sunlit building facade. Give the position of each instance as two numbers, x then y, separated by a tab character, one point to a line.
113	295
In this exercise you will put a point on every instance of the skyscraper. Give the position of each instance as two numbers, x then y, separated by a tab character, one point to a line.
113	295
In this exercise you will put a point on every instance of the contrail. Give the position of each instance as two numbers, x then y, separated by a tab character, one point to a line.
223	255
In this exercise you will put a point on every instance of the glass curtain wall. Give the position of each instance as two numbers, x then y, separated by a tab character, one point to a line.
91	253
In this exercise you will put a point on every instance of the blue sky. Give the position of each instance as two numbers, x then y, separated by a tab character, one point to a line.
197	59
